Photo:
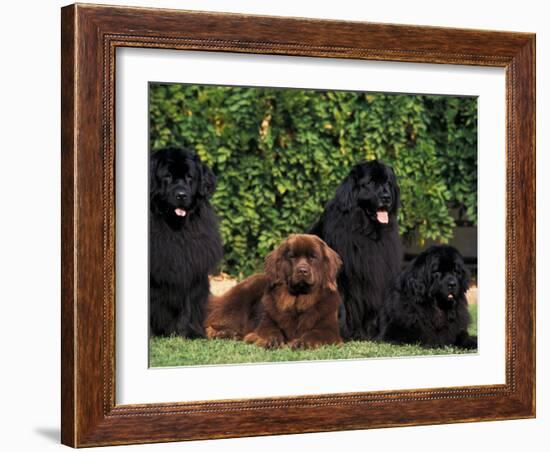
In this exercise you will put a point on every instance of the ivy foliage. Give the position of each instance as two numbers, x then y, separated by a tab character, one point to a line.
279	155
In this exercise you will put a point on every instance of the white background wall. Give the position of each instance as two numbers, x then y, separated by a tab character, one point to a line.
29	236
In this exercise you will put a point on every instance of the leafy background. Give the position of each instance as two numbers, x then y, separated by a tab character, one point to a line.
279	154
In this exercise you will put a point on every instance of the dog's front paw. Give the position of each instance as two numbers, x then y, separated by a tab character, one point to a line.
251	338
303	343
267	343
468	342
296	344
274	342
213	333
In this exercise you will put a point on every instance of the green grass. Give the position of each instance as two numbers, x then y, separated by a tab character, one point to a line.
176	351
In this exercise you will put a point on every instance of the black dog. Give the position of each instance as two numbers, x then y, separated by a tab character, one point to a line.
184	241
360	224
428	303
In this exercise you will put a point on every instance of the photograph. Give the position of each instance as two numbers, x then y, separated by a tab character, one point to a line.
292	224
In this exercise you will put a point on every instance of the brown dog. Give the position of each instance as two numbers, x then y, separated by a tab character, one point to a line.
294	303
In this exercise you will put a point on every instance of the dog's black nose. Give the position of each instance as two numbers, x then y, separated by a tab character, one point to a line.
451	284
385	198
181	196
303	271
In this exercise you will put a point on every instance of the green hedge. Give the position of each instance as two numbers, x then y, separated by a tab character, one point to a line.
279	154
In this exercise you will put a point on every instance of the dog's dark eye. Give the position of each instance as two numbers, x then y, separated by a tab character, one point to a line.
313	256
368	184
290	256
167	177
189	178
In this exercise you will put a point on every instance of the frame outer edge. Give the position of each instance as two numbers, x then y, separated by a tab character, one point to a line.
86	419
525	62
534	224
68	216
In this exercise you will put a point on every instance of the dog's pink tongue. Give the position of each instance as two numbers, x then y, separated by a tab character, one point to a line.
180	212
382	216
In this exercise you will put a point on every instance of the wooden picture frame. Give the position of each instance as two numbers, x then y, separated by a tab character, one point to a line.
90	36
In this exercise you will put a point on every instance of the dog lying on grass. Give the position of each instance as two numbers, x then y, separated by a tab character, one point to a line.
427	304
293	303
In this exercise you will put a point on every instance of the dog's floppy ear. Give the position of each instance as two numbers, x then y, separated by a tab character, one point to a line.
332	264
207	183
346	194
465	280
412	283
463	273
155	157
273	264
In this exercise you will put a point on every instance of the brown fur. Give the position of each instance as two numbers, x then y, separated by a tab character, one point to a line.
232	315
294	303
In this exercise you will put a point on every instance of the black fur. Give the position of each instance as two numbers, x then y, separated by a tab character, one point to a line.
184	241
370	249
428	303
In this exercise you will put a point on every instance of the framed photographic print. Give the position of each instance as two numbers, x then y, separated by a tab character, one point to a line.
281	225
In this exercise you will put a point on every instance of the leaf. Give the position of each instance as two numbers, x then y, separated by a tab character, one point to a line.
279	154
